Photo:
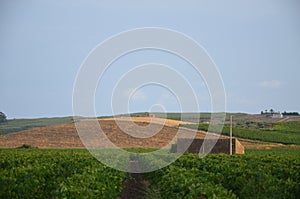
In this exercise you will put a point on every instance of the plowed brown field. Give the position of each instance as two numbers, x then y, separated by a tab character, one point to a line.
66	136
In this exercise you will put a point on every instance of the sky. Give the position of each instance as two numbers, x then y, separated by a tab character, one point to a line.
255	44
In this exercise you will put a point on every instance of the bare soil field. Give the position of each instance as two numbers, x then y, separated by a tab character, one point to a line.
66	136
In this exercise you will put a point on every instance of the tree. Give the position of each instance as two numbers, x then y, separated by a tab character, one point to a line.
290	113
2	117
271	111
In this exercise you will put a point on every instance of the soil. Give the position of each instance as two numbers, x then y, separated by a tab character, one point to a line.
134	186
66	136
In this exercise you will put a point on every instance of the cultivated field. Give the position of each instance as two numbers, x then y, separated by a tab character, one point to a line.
52	173
60	168
66	136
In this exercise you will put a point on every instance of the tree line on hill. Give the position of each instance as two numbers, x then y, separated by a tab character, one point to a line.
2	117
290	113
283	113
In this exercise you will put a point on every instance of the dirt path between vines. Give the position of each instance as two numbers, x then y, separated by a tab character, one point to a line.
134	188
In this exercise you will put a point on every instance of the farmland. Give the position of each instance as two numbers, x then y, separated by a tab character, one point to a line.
238	117
16	125
282	132
66	136
56	173
70	173
219	176
269	168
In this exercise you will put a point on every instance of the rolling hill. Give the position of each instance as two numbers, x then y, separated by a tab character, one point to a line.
66	136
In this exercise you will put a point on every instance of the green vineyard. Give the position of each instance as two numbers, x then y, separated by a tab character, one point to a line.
56	174
35	173
258	175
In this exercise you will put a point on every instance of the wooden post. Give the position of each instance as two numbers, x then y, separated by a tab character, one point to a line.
230	139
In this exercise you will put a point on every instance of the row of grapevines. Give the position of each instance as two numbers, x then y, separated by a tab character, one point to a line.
223	176
56	174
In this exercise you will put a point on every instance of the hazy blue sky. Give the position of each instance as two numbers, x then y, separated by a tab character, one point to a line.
255	44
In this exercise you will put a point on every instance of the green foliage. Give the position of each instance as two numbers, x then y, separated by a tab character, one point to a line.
180	182
56	174
287	127
70	173
254	125
2	117
140	150
290	113
16	125
281	152
223	176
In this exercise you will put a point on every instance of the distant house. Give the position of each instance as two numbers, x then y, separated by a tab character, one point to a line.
277	115
274	115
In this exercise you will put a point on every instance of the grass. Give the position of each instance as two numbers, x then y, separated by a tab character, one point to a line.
16	125
287	127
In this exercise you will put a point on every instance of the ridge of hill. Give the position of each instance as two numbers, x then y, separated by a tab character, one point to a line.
17	125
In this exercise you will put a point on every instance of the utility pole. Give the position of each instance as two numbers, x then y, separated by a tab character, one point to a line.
230	138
